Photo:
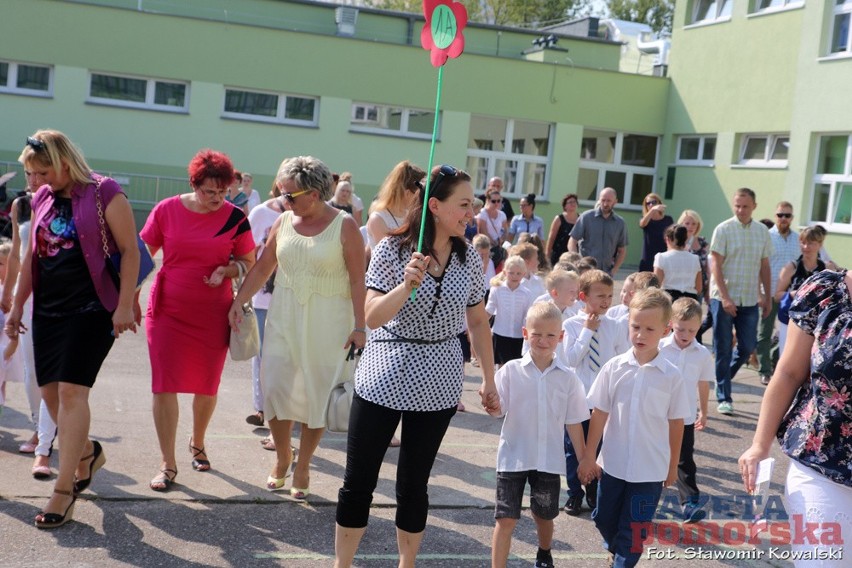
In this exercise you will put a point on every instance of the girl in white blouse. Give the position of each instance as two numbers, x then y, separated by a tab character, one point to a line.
678	270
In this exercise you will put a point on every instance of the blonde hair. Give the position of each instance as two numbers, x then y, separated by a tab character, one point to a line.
511	262
645	207
393	194
684	309
481	241
690	213
527	251
557	277
594	276
542	311
651	298
572	257
57	150
814	234
643	280
5	247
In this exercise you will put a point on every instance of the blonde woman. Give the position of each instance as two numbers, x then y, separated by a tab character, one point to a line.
396	196
653	223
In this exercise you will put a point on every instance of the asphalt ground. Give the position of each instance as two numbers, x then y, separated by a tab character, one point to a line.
226	517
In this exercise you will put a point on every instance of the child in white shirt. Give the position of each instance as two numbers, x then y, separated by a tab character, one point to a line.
698	370
639	404
678	270
537	386
529	252
563	286
627	291
508	302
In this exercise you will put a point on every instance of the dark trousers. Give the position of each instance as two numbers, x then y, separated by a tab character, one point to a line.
371	427
687	488
620	505
767	354
574	486
677	294
507	348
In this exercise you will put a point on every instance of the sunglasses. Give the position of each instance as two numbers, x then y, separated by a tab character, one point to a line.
35	144
652	202
496	200
784	215
291	197
445	172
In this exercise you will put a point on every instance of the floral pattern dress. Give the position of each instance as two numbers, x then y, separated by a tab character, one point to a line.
817	430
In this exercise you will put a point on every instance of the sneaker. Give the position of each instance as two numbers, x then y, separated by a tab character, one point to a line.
592	495
574	506
692	513
764	379
725	408
543	559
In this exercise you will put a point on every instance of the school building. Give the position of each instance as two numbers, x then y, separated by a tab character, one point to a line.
752	93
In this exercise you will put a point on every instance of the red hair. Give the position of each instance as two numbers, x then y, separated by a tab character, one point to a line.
211	165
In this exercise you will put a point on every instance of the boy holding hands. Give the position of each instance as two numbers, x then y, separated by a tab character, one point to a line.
639	397
696	365
540	398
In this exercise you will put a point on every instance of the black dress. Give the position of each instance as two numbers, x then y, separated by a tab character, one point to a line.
560	243
653	242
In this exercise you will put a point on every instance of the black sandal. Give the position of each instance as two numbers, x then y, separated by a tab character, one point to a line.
197	464
53	520
163	479
98	460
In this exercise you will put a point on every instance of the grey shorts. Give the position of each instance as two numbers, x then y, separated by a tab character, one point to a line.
544	494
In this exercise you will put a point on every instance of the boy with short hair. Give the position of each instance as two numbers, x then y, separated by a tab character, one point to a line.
638	397
562	289
627	291
696	366
591	339
536	386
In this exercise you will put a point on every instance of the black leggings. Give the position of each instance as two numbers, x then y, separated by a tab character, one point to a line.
371	427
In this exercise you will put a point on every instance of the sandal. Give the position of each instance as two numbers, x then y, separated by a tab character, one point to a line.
98	460
255	419
299	494
198	464
268	443
53	520
275	483
164	481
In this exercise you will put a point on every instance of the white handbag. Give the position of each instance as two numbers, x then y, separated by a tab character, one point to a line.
245	343
340	398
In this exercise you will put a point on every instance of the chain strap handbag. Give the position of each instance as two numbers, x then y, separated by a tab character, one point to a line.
245	342
113	261
340	398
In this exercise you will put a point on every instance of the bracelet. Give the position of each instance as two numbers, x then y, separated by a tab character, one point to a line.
361	329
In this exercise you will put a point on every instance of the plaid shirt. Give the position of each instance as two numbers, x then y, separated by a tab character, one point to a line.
743	246
786	250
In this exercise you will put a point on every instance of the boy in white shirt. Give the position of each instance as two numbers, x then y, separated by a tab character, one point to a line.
639	407
698	370
562	289
627	291
591	339
540	398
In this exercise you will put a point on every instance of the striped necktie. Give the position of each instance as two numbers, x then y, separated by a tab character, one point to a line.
595	354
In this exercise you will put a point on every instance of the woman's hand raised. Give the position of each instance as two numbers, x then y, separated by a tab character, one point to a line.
415	271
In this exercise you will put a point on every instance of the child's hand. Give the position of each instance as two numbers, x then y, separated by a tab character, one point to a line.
593	322
588	470
701	421
10	349
672	477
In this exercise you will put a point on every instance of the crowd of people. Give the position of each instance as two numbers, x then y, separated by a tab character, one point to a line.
621	389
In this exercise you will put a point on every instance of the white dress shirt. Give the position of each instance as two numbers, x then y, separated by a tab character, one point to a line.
640	401
575	345
509	308
680	267
536	285
618	311
695	363
537	405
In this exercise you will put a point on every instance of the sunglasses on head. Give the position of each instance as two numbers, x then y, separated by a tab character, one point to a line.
445	172
784	215
291	197
35	143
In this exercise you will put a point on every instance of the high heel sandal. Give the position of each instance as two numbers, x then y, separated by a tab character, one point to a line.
53	520
98	460
275	483
163	479
198	464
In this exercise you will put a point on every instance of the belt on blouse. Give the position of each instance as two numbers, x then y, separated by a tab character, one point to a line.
400	339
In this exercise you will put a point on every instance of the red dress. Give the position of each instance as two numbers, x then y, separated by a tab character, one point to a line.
187	320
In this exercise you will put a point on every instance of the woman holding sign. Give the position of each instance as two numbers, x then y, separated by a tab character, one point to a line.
411	369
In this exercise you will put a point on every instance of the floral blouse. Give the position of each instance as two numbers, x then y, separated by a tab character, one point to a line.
817	430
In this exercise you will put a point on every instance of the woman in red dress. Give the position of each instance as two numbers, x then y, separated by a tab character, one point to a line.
203	237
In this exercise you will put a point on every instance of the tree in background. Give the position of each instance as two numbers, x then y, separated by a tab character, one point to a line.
518	13
655	13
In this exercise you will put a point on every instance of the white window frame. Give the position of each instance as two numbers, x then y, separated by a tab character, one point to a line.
784	5
12	80
616	166
281	109
374	126
834	181
711	19
772	140
150	92
700	161
521	161
840	11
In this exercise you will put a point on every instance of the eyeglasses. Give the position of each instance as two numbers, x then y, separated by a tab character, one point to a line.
35	143
784	215
291	197
445	172
652	202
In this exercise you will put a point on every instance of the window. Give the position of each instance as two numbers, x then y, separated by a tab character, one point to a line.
26	79
832	190
382	119
708	11
776	5
696	150
523	162
271	107
138	92
625	162
764	150
841	42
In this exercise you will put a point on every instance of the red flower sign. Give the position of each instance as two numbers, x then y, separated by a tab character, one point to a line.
442	34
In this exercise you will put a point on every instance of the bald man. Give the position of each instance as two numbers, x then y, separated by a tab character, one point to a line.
601	233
